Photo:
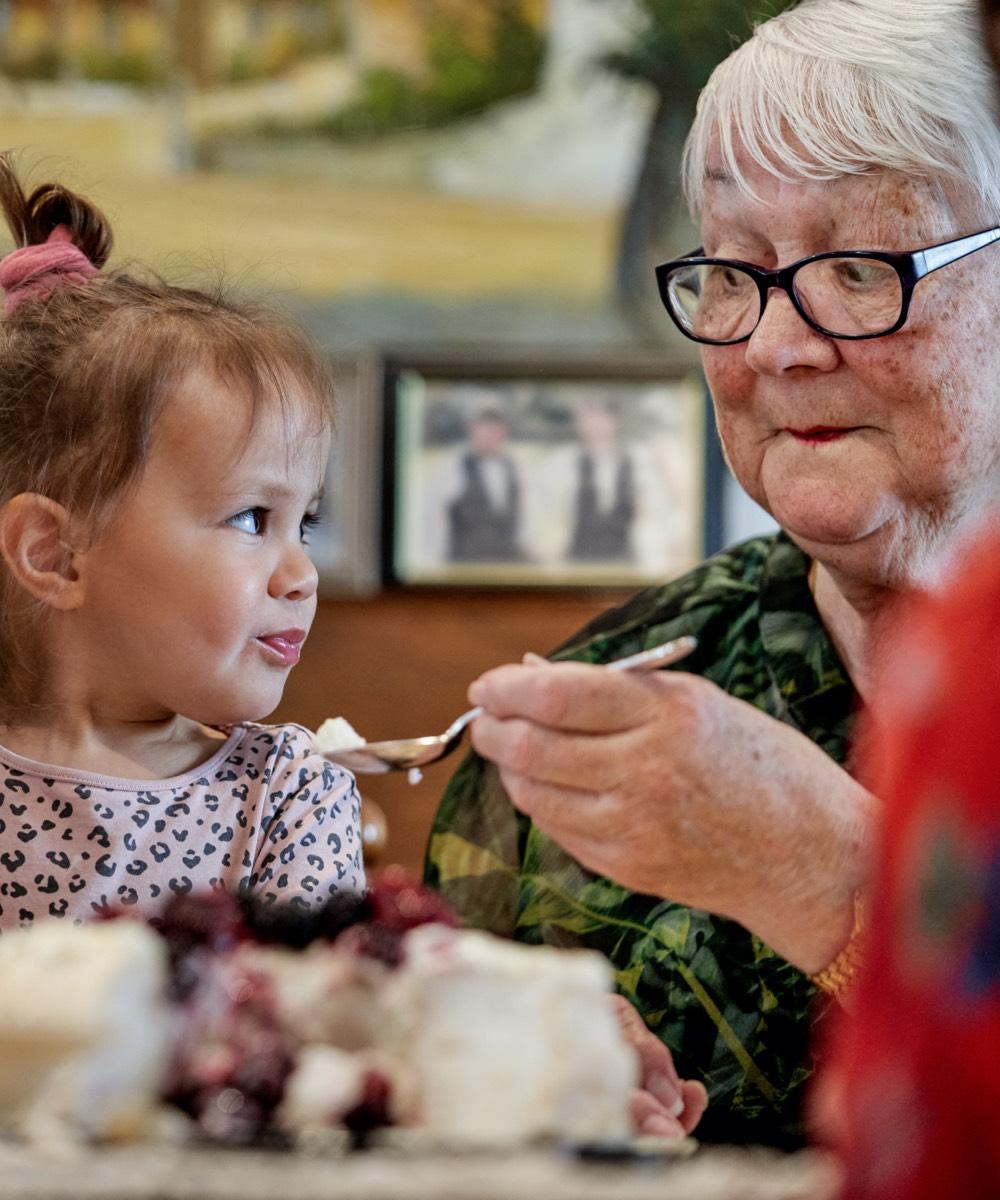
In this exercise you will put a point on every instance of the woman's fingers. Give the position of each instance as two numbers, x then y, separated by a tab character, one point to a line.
579	761
650	1118
695	1102
569	696
664	1105
571	817
656	1064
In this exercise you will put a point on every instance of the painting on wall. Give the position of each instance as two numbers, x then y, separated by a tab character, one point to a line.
546	474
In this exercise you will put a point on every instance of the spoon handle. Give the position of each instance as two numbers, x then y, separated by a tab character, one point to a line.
646	660
656	656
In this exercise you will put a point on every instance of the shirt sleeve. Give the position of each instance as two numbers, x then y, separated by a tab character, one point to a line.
475	849
310	844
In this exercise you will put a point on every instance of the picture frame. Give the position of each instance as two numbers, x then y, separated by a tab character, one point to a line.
550	471
346	543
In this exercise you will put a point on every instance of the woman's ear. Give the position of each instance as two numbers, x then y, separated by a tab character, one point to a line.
34	532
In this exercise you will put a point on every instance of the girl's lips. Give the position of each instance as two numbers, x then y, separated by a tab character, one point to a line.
820	433
286	646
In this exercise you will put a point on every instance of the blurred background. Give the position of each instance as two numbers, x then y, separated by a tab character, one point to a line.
464	187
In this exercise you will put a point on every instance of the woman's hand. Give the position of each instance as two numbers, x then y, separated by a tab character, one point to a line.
671	787
663	1105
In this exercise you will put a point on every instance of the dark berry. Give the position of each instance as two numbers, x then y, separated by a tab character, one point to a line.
196	928
369	940
372	1110
287	925
398	901
233	1090
210	919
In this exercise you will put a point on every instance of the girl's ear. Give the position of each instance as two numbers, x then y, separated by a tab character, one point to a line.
34	533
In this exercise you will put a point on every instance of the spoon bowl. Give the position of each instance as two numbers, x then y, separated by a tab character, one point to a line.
407	754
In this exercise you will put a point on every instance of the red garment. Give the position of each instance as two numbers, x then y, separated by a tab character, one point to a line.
917	1069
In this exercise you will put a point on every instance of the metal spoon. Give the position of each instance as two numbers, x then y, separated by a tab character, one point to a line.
405	754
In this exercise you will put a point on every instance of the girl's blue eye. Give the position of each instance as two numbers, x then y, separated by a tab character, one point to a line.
309	521
250	520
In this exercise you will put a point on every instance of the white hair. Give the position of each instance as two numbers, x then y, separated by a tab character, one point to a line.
842	87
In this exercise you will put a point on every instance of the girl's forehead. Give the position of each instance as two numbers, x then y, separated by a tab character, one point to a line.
202	403
210	426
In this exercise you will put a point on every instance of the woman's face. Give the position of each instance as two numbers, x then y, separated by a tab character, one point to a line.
870	454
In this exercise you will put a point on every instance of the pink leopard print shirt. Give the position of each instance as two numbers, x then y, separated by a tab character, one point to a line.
264	812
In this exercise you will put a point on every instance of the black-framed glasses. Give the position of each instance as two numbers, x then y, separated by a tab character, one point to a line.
848	294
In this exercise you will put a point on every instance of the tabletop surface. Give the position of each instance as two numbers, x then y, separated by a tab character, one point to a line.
178	1172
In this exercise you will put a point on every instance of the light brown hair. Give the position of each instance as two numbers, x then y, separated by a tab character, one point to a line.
84	374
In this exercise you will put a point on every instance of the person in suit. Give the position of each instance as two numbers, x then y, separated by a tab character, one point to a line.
483	518
604	497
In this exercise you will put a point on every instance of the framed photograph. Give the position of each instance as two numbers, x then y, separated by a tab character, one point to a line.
346	545
546	473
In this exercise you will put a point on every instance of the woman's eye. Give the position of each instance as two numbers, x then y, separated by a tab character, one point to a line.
725	280
864	272
250	520
308	523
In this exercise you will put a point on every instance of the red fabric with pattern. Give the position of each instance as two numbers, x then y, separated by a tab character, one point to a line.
916	1072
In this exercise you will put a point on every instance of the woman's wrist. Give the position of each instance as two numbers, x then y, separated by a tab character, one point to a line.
811	914
810	936
838	975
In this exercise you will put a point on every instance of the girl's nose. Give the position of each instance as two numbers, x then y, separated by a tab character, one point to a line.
295	576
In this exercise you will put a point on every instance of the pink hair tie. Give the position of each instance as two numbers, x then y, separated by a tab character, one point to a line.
32	272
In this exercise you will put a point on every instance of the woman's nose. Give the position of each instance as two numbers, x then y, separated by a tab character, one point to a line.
783	341
295	576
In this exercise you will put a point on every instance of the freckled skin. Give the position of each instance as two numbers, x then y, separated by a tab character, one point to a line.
671	762
874	507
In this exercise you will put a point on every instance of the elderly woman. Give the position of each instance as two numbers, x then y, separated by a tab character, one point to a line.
703	827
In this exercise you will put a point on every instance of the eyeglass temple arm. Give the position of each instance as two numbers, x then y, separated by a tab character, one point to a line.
934	257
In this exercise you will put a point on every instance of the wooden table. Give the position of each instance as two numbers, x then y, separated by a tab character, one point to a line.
157	1172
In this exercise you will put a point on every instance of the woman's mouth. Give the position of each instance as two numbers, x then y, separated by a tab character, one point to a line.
285	646
820	433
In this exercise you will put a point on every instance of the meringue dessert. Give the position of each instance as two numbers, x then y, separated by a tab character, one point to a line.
84	1029
253	1019
336	735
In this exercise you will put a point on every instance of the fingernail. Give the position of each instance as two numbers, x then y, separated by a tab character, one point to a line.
477	692
533	660
656	1125
664	1088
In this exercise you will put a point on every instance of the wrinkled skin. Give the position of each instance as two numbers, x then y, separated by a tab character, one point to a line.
665	783
585	751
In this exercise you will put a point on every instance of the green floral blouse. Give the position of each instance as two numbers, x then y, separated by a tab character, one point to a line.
733	1012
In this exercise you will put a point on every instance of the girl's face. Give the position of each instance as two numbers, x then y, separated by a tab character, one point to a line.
199	596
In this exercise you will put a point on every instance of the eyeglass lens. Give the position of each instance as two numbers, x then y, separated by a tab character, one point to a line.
848	297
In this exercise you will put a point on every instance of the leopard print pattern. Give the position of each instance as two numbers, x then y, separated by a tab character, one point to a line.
265	813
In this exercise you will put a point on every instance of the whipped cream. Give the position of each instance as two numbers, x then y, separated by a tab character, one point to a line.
508	1043
336	735
84	1029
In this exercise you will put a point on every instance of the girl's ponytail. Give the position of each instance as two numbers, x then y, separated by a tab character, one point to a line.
33	218
61	237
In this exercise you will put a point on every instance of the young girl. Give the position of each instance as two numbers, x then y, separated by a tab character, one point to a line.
162	453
